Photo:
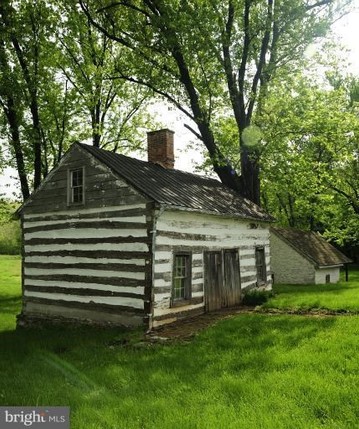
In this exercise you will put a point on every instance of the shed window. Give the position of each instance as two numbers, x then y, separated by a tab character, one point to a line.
181	277
76	186
261	266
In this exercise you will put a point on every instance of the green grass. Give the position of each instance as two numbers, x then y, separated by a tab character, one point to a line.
341	297
249	371
10	290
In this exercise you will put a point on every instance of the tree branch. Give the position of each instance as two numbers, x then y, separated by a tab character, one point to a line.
261	60
228	67
155	90
194	132
245	53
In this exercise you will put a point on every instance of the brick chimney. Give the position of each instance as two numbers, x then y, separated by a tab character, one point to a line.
160	147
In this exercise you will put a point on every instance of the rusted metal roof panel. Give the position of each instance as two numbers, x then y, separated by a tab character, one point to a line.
179	189
312	246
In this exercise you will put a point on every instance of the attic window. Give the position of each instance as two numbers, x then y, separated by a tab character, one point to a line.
76	186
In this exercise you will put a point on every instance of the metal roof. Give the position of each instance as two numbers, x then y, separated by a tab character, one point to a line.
179	189
312	246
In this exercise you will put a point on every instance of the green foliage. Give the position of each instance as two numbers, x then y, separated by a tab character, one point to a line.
214	60
58	84
310	158
10	233
256	297
10	238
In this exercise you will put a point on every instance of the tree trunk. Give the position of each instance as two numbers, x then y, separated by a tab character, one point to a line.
249	179
11	115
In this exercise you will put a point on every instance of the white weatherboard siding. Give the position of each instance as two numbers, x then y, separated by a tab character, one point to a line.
288	265
322	273
195	232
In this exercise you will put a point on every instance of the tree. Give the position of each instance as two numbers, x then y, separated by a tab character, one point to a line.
213	59
30	95
310	159
87	60
56	72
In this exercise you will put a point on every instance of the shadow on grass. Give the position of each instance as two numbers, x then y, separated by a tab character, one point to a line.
284	288
82	367
10	305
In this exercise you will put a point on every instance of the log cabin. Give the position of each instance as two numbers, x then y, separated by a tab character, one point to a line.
110	239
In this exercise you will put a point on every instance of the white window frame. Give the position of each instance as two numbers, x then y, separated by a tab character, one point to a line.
187	277
71	188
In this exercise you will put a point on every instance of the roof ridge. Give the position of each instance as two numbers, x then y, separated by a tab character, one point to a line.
132	159
312	245
178	188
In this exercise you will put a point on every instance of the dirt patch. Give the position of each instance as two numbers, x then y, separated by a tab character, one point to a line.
187	328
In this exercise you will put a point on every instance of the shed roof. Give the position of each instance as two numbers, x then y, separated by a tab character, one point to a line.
312	246
179	189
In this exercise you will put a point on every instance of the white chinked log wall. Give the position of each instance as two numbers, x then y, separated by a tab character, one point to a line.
71	258
90	261
196	233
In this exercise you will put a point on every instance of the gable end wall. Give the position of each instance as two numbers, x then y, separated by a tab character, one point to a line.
93	262
289	266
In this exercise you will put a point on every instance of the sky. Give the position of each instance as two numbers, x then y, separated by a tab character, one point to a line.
347	33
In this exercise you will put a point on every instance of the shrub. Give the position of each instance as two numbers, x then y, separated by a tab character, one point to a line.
10	233
256	297
10	238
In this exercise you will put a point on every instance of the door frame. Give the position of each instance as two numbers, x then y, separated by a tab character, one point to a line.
216	289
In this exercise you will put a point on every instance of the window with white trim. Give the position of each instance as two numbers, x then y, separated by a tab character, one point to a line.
181	285
261	266
76	188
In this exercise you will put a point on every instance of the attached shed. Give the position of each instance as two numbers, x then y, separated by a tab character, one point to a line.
112	239
304	257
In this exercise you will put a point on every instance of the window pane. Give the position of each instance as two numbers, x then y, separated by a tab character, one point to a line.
76	185
260	264
178	291
77	178
77	195
181	280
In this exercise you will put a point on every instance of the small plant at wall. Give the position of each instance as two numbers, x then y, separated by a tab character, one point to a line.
256	297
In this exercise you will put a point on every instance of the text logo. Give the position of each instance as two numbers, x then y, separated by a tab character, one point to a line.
34	417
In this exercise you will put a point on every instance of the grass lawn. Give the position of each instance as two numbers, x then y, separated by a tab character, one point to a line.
341	297
248	371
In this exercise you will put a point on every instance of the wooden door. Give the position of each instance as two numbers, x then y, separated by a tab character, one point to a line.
222	279
231	294
213	280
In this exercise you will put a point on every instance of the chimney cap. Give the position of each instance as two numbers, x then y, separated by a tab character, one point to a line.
160	147
159	131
